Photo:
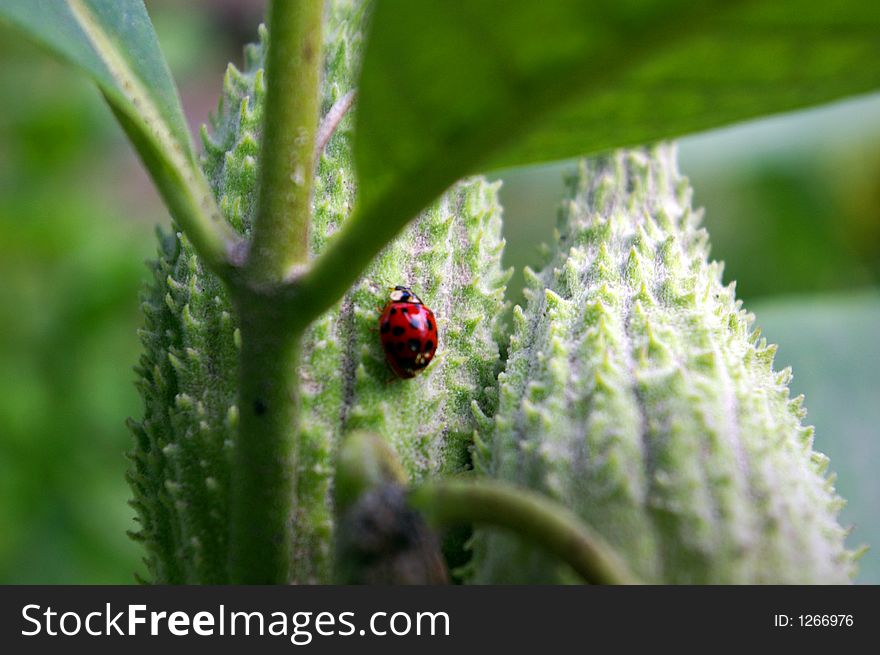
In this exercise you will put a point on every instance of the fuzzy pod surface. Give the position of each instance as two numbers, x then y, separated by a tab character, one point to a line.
637	394
451	257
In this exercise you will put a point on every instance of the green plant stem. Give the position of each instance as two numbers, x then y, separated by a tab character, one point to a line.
331	121
188	197
363	235
290	122
264	458
527	514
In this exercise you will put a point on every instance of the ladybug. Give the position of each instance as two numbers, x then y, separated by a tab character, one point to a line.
408	331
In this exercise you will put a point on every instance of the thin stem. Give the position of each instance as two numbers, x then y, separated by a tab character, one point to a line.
527	514
290	122
264	457
188	197
363	235
264	454
331	120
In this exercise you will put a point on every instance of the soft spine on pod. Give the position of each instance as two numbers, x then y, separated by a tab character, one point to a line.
450	255
637	394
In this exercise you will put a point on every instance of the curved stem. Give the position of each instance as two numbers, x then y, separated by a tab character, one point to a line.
528	514
290	122
166	154
187	195
372	225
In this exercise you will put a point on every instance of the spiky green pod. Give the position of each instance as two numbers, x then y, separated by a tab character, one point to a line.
450	255
637	394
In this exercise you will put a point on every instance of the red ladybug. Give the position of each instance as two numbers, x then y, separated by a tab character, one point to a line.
408	331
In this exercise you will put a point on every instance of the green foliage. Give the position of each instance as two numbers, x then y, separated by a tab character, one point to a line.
504	84
187	375
115	44
68	306
812	222
636	393
451	255
180	473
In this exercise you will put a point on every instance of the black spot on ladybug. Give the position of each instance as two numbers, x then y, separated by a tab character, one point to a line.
404	310
430	326
386	327
399	346
259	407
393	311
414	345
397	331
415	324
429	346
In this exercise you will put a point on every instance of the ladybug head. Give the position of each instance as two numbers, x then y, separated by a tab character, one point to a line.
404	294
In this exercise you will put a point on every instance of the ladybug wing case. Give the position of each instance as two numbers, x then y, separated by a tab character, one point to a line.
409	337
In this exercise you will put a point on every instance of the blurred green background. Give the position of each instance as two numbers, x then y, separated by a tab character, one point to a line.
792	206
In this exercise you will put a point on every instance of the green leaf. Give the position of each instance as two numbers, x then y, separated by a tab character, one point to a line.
830	341
114	42
449	88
